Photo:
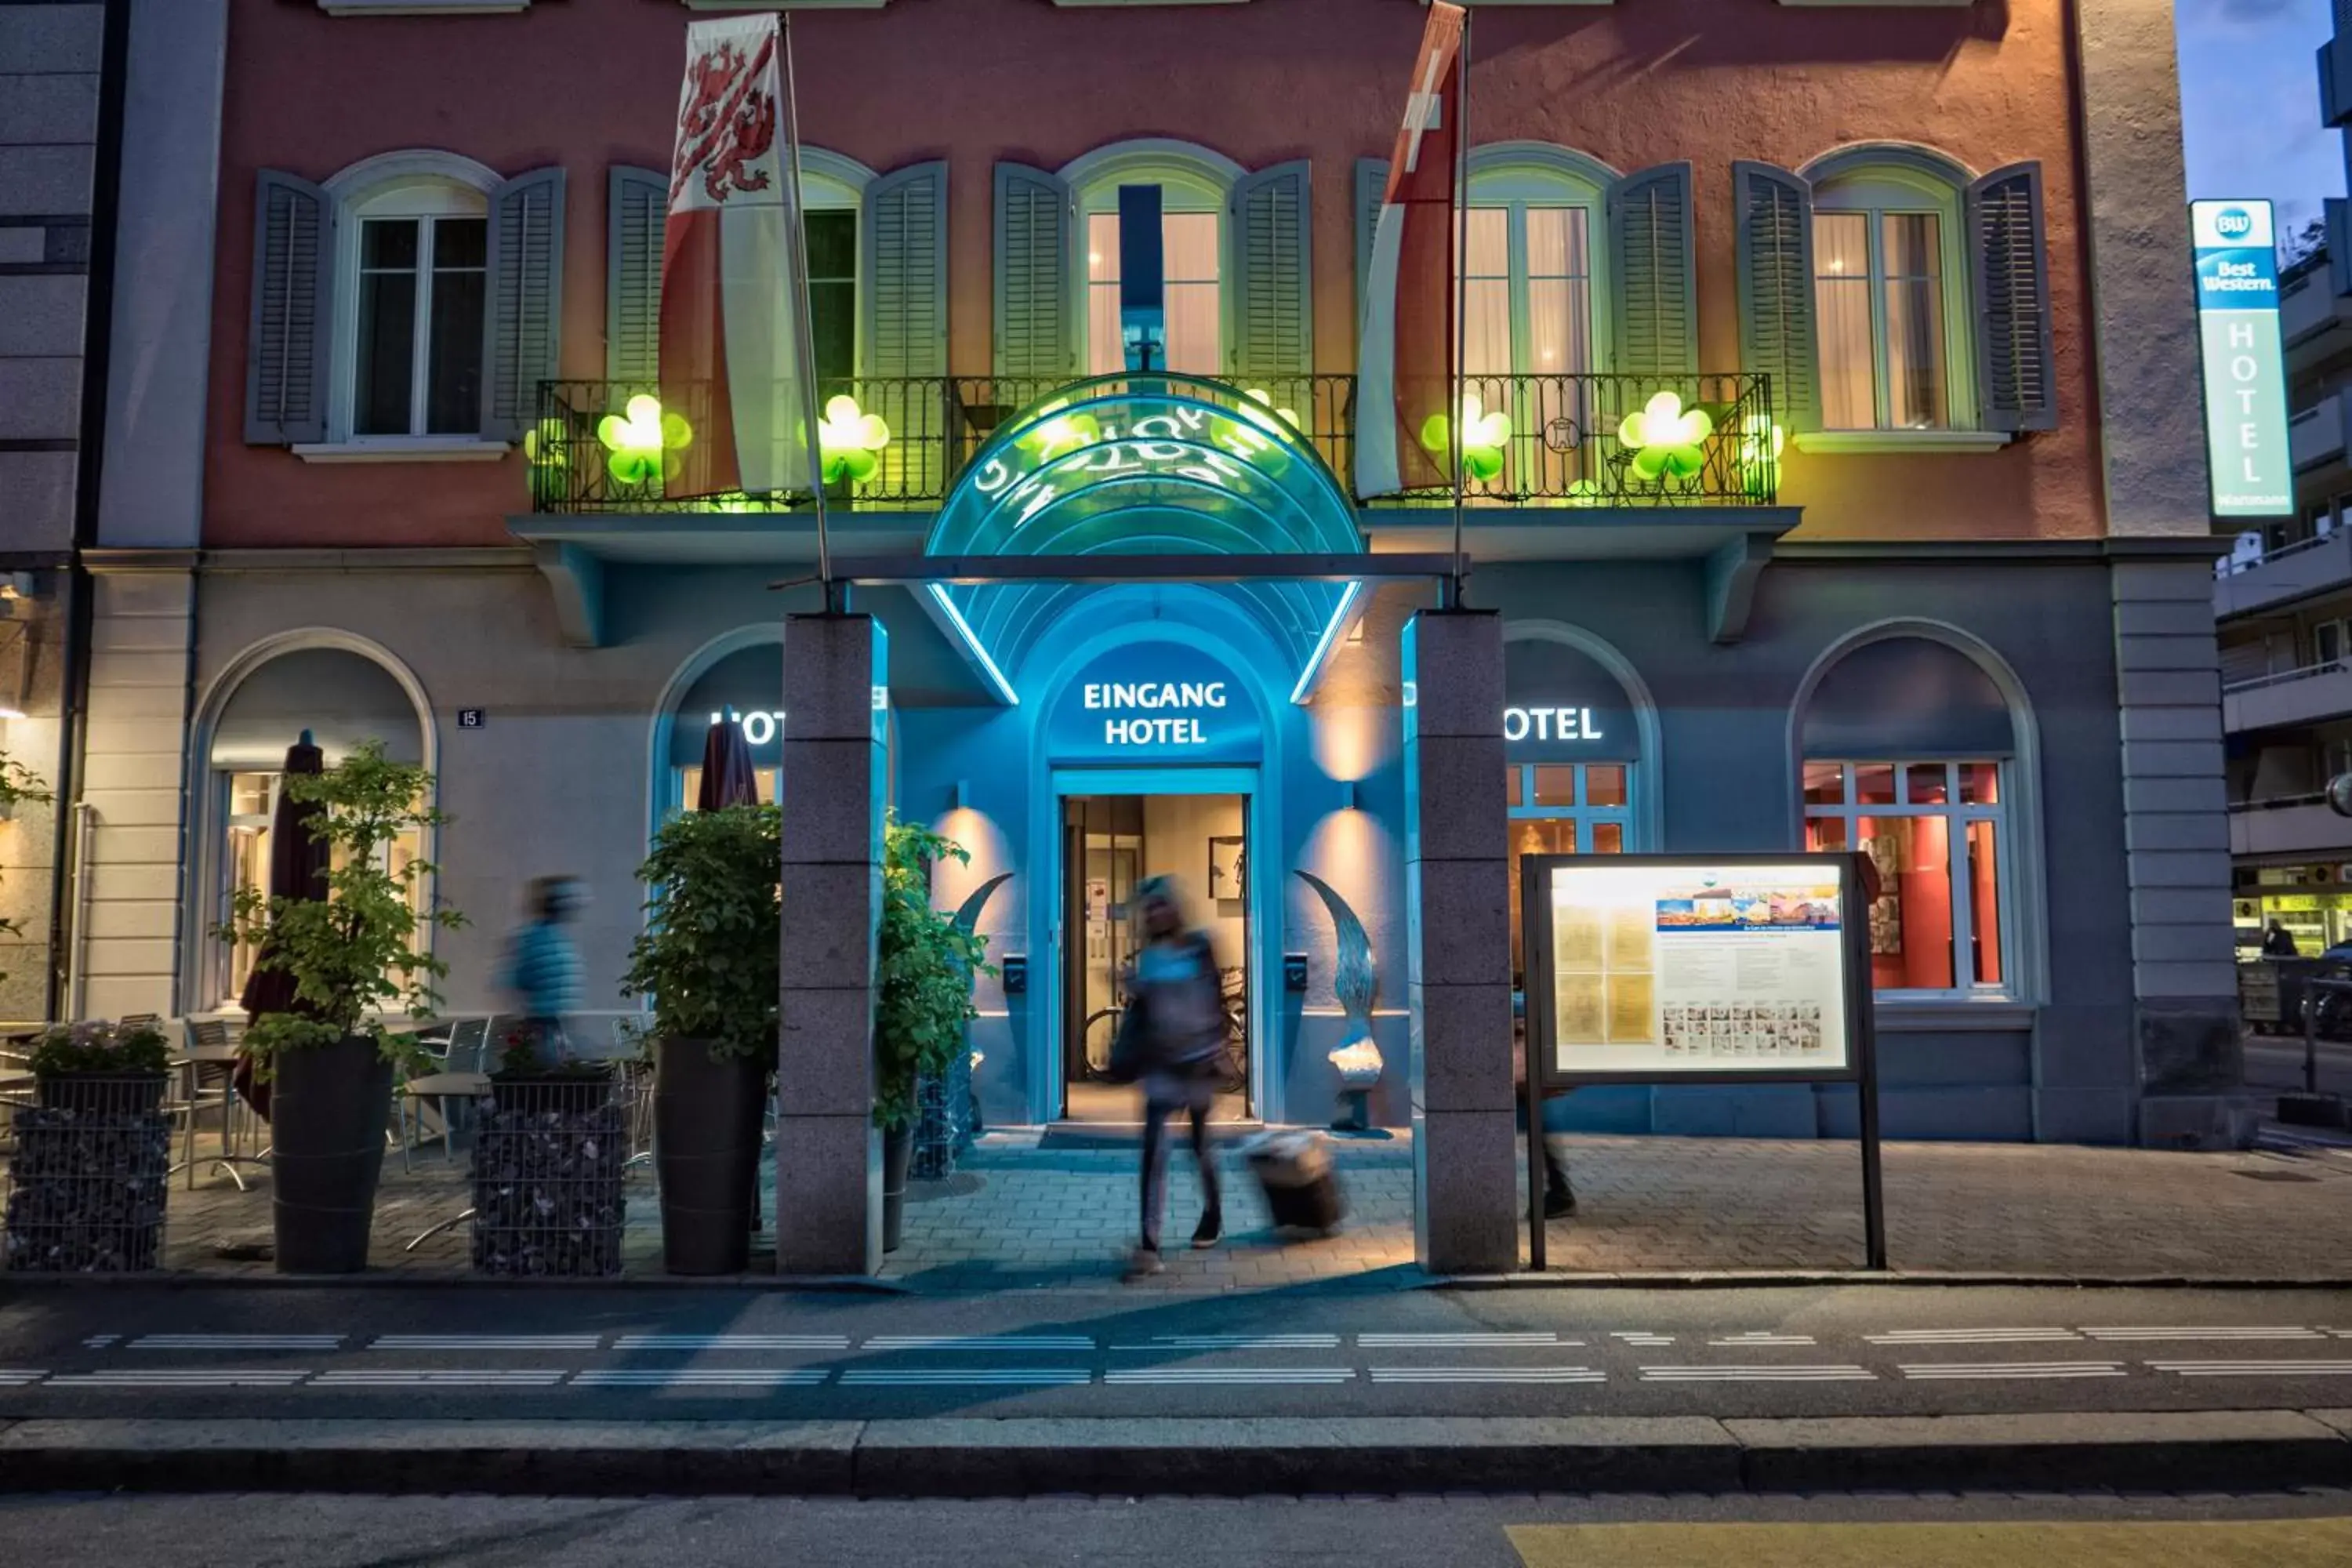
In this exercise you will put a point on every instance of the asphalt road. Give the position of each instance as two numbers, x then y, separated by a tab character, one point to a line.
2276	1061
620	1354
2306	1531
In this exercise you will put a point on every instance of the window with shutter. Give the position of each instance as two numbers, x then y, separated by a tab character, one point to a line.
1196	189
636	214
1773	214
1273	278
2012	298
287	352
520	334
906	272
1371	184
1033	335
1649	239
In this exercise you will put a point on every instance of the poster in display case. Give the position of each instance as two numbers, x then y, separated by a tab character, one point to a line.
1688	969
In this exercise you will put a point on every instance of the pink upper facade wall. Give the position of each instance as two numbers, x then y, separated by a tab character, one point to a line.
592	83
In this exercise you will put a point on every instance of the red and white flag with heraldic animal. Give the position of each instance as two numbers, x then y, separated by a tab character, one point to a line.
1407	345
730	307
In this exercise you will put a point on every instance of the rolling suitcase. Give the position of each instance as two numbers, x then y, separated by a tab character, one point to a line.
1294	1170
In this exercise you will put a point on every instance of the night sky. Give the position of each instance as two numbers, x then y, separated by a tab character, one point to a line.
2249	103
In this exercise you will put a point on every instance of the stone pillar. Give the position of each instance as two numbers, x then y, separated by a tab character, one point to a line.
1458	964
836	777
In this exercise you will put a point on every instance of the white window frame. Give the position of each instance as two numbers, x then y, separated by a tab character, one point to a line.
1878	190
1518	178
1191	179
1584	814
1962	892
422	184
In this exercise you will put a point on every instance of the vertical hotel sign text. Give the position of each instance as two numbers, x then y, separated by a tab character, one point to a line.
2245	367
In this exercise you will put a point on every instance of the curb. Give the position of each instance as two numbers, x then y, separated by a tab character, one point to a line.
2204	1451
1724	1278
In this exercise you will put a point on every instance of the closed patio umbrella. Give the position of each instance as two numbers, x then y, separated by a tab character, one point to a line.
298	864
727	776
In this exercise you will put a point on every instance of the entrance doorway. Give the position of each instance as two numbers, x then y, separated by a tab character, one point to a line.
1111	845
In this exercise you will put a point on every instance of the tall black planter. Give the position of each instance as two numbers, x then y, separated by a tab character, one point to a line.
327	1113
707	1119
897	1151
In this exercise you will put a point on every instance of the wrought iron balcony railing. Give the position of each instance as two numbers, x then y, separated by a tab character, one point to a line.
1531	440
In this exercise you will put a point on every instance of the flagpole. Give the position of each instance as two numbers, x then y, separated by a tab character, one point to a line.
1457	436
803	341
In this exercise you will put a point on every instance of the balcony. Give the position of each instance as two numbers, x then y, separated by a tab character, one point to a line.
2315	437
2311	695
1548	441
2302	570
2291	824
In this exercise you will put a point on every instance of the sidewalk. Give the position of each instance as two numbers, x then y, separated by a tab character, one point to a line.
1019	1214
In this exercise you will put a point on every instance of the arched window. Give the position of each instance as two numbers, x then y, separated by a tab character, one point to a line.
1573	742
1891	292
1534	270
342	697
1196	185
744	689
1909	748
833	189
412	262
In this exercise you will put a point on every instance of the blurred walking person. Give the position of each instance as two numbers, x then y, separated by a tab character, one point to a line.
542	967
1173	1041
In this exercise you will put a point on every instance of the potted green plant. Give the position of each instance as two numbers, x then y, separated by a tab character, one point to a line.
708	959
926	960
94	1156
354	959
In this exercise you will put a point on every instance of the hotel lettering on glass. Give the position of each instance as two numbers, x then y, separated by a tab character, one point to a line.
2245	365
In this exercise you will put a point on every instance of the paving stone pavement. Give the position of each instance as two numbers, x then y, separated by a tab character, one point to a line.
1016	1215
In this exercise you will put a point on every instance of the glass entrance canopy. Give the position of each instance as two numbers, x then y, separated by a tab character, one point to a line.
1144	465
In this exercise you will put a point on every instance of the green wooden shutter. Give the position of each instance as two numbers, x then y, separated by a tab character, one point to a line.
1273	275
1034	334
1773	211
905	261
1371	184
521	328
287	347
1655	305
2016	382
636	212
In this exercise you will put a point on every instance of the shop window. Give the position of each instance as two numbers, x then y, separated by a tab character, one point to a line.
1565	808
1937	833
745	690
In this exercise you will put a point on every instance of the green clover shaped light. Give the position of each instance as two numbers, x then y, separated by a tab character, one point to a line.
643	443
1484	436
1266	409
851	441
543	445
1058	433
1760	441
1664	439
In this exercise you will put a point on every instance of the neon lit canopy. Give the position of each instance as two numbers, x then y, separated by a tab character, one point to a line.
1144	465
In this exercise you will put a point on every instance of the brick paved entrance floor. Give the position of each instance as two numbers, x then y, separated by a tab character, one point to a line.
1018	1214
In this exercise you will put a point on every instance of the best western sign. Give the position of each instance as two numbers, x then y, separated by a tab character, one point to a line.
2245	367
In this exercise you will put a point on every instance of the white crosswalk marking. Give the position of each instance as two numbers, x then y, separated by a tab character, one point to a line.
1419	1375
2279	1368
485	1342
964	1376
1761	1337
1236	1342
979	1342
101	1342
240	1342
1460	1340
1817	1374
2017	1371
699	1377
1642	1337
440	1377
731	1342
2261	1332
1162	1376
19	1377
184	1377
1974	1337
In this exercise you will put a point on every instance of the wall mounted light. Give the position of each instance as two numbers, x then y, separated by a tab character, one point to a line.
960	796
1355	794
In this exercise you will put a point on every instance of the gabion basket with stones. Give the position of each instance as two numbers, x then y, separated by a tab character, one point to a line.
943	1120
549	1157
87	1184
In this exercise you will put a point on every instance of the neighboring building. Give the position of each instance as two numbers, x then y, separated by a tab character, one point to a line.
395	270
2283	603
53	60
